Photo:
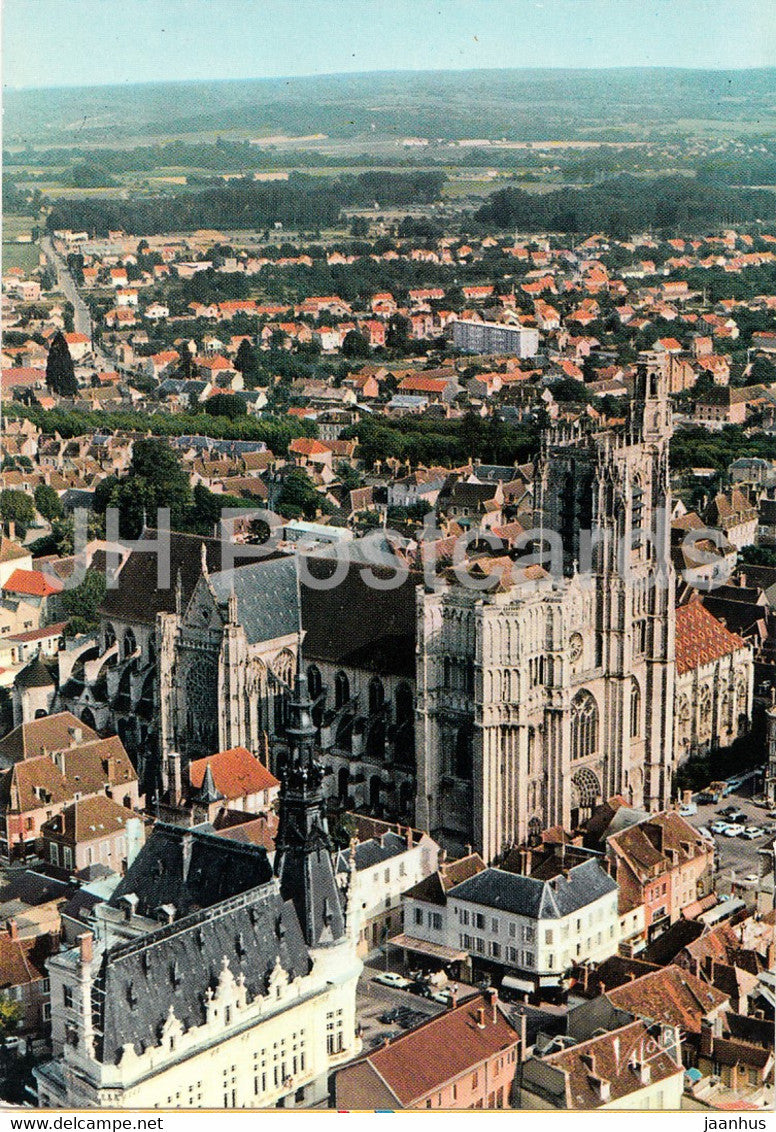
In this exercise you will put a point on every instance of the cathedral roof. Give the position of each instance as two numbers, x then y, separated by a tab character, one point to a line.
266	594
138	597
353	624
701	638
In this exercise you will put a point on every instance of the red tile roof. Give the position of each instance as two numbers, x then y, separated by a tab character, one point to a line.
671	996
236	773
701	638
426	1058
32	582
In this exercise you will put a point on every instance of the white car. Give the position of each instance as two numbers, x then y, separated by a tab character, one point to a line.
751	878
752	832
733	831
719	827
391	979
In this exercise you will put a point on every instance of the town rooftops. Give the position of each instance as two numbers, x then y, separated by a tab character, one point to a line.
537	899
33	583
421	1061
671	996
605	1069
236	772
49	733
701	638
89	819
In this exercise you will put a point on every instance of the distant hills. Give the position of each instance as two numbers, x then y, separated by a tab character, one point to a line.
532	104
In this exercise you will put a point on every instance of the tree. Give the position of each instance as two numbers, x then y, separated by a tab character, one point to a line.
398	332
48	502
247	363
60	374
355	345
80	605
225	405
11	1014
298	497
17	507
155	478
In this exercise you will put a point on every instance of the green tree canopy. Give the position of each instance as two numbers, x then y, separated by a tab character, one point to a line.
17	507
48	502
225	405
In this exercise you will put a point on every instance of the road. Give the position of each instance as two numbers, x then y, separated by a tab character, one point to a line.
736	858
82	319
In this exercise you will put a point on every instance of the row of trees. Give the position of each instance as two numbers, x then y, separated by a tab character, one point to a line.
628	204
301	202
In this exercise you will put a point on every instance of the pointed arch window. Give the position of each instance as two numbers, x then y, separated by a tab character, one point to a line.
584	726
635	710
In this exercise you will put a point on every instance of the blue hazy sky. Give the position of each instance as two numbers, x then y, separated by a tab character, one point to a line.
86	42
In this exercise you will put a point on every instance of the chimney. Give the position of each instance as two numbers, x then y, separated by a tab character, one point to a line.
76	734
13	929
492	996
468	849
707	1035
453	996
410	837
481	1018
86	946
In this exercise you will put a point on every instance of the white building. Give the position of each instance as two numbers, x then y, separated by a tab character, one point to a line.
531	929
495	338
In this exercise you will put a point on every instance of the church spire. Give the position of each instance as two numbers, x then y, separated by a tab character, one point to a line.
303	861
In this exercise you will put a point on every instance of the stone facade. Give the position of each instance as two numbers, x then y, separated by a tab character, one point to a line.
539	698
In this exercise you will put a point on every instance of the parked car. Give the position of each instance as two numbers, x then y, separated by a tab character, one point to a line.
392	979
687	810
442	996
752	832
389	1016
732	831
719	826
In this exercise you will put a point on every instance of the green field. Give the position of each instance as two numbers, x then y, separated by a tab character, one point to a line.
20	255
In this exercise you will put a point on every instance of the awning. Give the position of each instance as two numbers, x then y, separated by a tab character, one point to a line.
434	950
525	986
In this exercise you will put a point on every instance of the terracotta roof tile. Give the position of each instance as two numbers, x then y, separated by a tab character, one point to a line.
236	773
701	638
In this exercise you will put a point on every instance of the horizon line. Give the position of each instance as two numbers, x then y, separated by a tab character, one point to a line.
9	88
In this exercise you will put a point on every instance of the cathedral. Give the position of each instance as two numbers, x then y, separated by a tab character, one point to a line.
483	714
545	695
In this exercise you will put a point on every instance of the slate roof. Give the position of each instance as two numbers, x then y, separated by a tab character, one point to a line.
433	889
352	624
137	598
537	899
217	870
372	852
174	966
267	597
35	675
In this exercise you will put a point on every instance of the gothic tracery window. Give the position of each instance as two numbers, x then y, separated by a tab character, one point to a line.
584	726
635	710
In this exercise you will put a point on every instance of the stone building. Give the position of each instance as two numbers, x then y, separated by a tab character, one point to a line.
538	698
208	982
714	682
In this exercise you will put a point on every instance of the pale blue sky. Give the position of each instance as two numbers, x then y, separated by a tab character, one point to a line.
85	42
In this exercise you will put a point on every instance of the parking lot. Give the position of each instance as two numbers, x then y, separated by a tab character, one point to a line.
736	857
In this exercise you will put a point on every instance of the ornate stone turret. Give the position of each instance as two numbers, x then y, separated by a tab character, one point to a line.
303	862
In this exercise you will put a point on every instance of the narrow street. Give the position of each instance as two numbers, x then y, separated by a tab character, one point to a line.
82	319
